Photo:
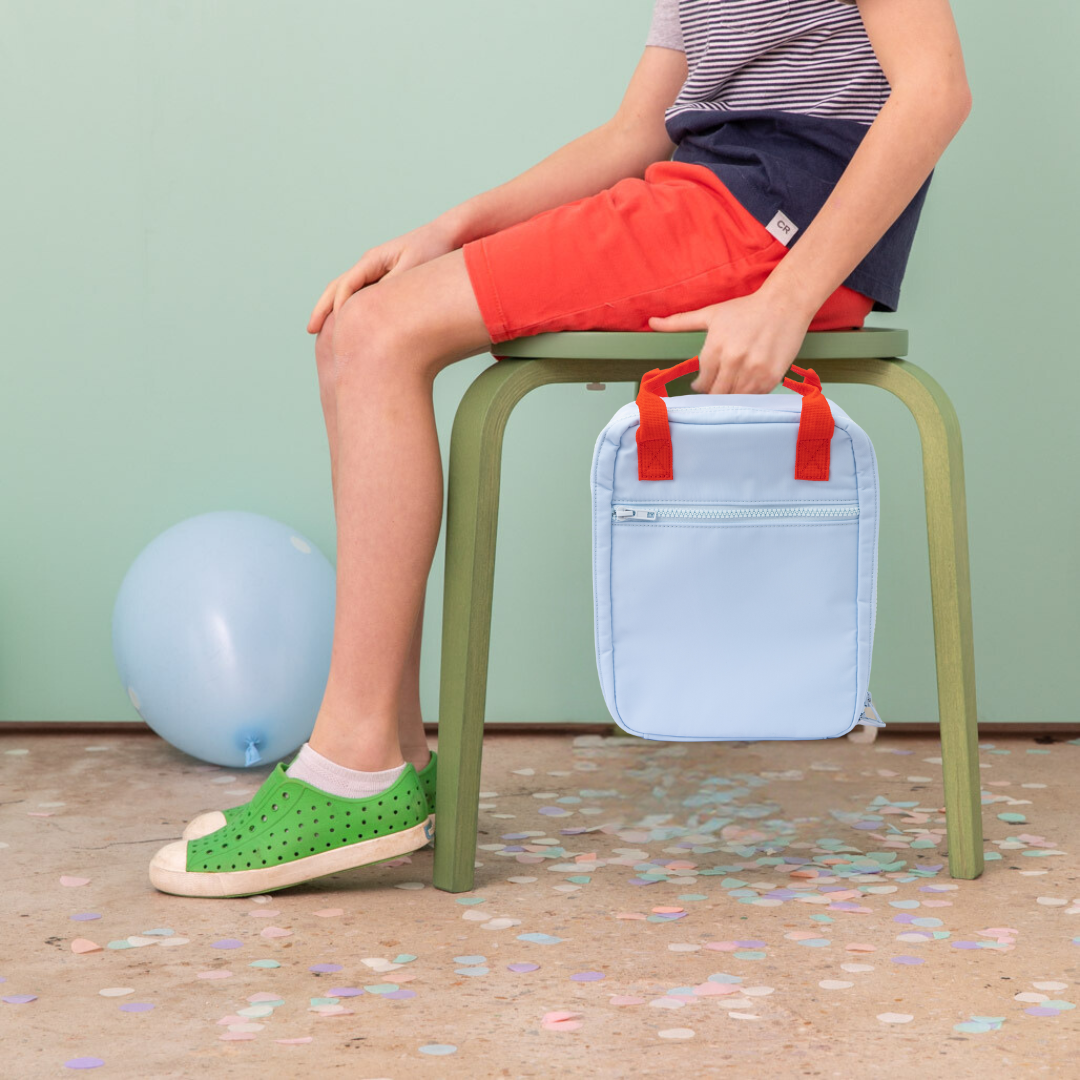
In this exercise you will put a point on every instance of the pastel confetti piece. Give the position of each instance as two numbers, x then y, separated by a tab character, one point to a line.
522	969
895	1018
325	913
345	991
229	943
835	984
264	964
1050	985
136	1007
86	916
84	945
84	1063
676	1033
74	883
540	939
438	1049
325	969
236	1036
470	960
472	971
20	999
587	976
744	1016
561	1021
271	932
712	989
116	991
295	1042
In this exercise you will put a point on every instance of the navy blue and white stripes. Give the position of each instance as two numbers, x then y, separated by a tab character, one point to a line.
801	56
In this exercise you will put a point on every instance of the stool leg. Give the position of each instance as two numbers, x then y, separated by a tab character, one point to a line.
950	585
472	512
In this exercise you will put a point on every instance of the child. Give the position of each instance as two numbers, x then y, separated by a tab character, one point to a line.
804	135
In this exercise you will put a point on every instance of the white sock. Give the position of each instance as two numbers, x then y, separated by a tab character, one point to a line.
311	767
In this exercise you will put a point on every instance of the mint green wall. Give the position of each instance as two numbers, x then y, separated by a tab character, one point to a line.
182	178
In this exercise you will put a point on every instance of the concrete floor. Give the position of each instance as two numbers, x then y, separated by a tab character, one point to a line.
747	972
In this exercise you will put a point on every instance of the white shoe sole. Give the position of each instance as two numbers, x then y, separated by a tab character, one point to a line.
168	873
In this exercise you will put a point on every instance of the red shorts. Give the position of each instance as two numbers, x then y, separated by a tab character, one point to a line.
674	241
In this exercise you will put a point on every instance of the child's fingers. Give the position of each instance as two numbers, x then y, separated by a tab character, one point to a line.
322	308
685	320
370	268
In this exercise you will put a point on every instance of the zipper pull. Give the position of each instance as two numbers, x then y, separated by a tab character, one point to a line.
870	714
625	513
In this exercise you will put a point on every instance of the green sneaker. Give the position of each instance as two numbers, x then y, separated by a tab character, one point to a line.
292	832
205	824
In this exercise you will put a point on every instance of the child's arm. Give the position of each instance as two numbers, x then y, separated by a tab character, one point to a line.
752	340
623	146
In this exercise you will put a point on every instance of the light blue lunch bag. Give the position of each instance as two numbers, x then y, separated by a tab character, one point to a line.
734	564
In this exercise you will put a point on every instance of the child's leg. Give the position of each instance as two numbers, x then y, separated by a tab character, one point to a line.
389	341
411	735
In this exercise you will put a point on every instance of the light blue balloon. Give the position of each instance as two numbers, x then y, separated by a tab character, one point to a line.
222	632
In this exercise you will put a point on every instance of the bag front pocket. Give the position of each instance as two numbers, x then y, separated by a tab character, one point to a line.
735	621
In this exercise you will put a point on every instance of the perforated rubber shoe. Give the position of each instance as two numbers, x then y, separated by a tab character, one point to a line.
205	824
292	832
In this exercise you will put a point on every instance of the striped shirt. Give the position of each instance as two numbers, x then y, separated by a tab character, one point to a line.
778	96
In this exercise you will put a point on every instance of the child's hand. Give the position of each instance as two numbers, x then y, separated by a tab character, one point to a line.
416	247
749	346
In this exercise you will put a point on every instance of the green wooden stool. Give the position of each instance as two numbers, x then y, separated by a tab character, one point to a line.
861	356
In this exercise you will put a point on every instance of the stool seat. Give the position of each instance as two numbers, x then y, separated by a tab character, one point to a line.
870	356
870	342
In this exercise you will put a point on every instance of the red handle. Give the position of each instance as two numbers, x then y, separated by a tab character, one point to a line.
653	433
812	455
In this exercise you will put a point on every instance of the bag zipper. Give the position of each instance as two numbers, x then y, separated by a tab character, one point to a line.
730	513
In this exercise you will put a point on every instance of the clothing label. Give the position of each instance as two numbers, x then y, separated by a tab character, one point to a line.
782	228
